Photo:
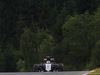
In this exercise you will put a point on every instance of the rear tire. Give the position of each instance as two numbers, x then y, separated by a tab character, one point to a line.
36	68
60	67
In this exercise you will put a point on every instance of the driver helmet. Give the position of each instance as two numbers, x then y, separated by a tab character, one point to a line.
48	62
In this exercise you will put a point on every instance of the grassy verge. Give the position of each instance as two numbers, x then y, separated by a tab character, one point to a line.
96	72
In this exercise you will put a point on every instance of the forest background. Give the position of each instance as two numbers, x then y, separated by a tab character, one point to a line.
68	30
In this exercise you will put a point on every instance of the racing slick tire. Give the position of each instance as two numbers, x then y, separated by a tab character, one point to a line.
60	67
36	68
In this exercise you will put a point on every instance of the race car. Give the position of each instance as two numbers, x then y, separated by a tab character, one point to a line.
48	65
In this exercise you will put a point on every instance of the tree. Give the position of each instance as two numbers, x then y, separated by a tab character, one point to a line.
96	25
95	31
46	47
76	34
10	61
29	49
95	59
2	61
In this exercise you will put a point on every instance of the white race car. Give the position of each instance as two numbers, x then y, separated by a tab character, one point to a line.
48	65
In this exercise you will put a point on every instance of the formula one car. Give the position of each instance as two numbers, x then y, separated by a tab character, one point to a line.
48	65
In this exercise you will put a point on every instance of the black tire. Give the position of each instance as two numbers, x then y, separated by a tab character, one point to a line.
41	69
36	68
60	67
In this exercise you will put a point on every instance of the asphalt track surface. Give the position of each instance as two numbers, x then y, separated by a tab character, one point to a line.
46	73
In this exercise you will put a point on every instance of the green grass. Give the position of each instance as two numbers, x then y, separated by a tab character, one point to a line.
96	72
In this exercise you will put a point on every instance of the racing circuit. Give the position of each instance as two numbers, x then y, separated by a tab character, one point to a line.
47	73
47	67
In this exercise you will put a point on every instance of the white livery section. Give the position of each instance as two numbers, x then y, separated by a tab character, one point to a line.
48	67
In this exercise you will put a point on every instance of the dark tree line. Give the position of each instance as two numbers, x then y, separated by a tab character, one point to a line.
68	30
